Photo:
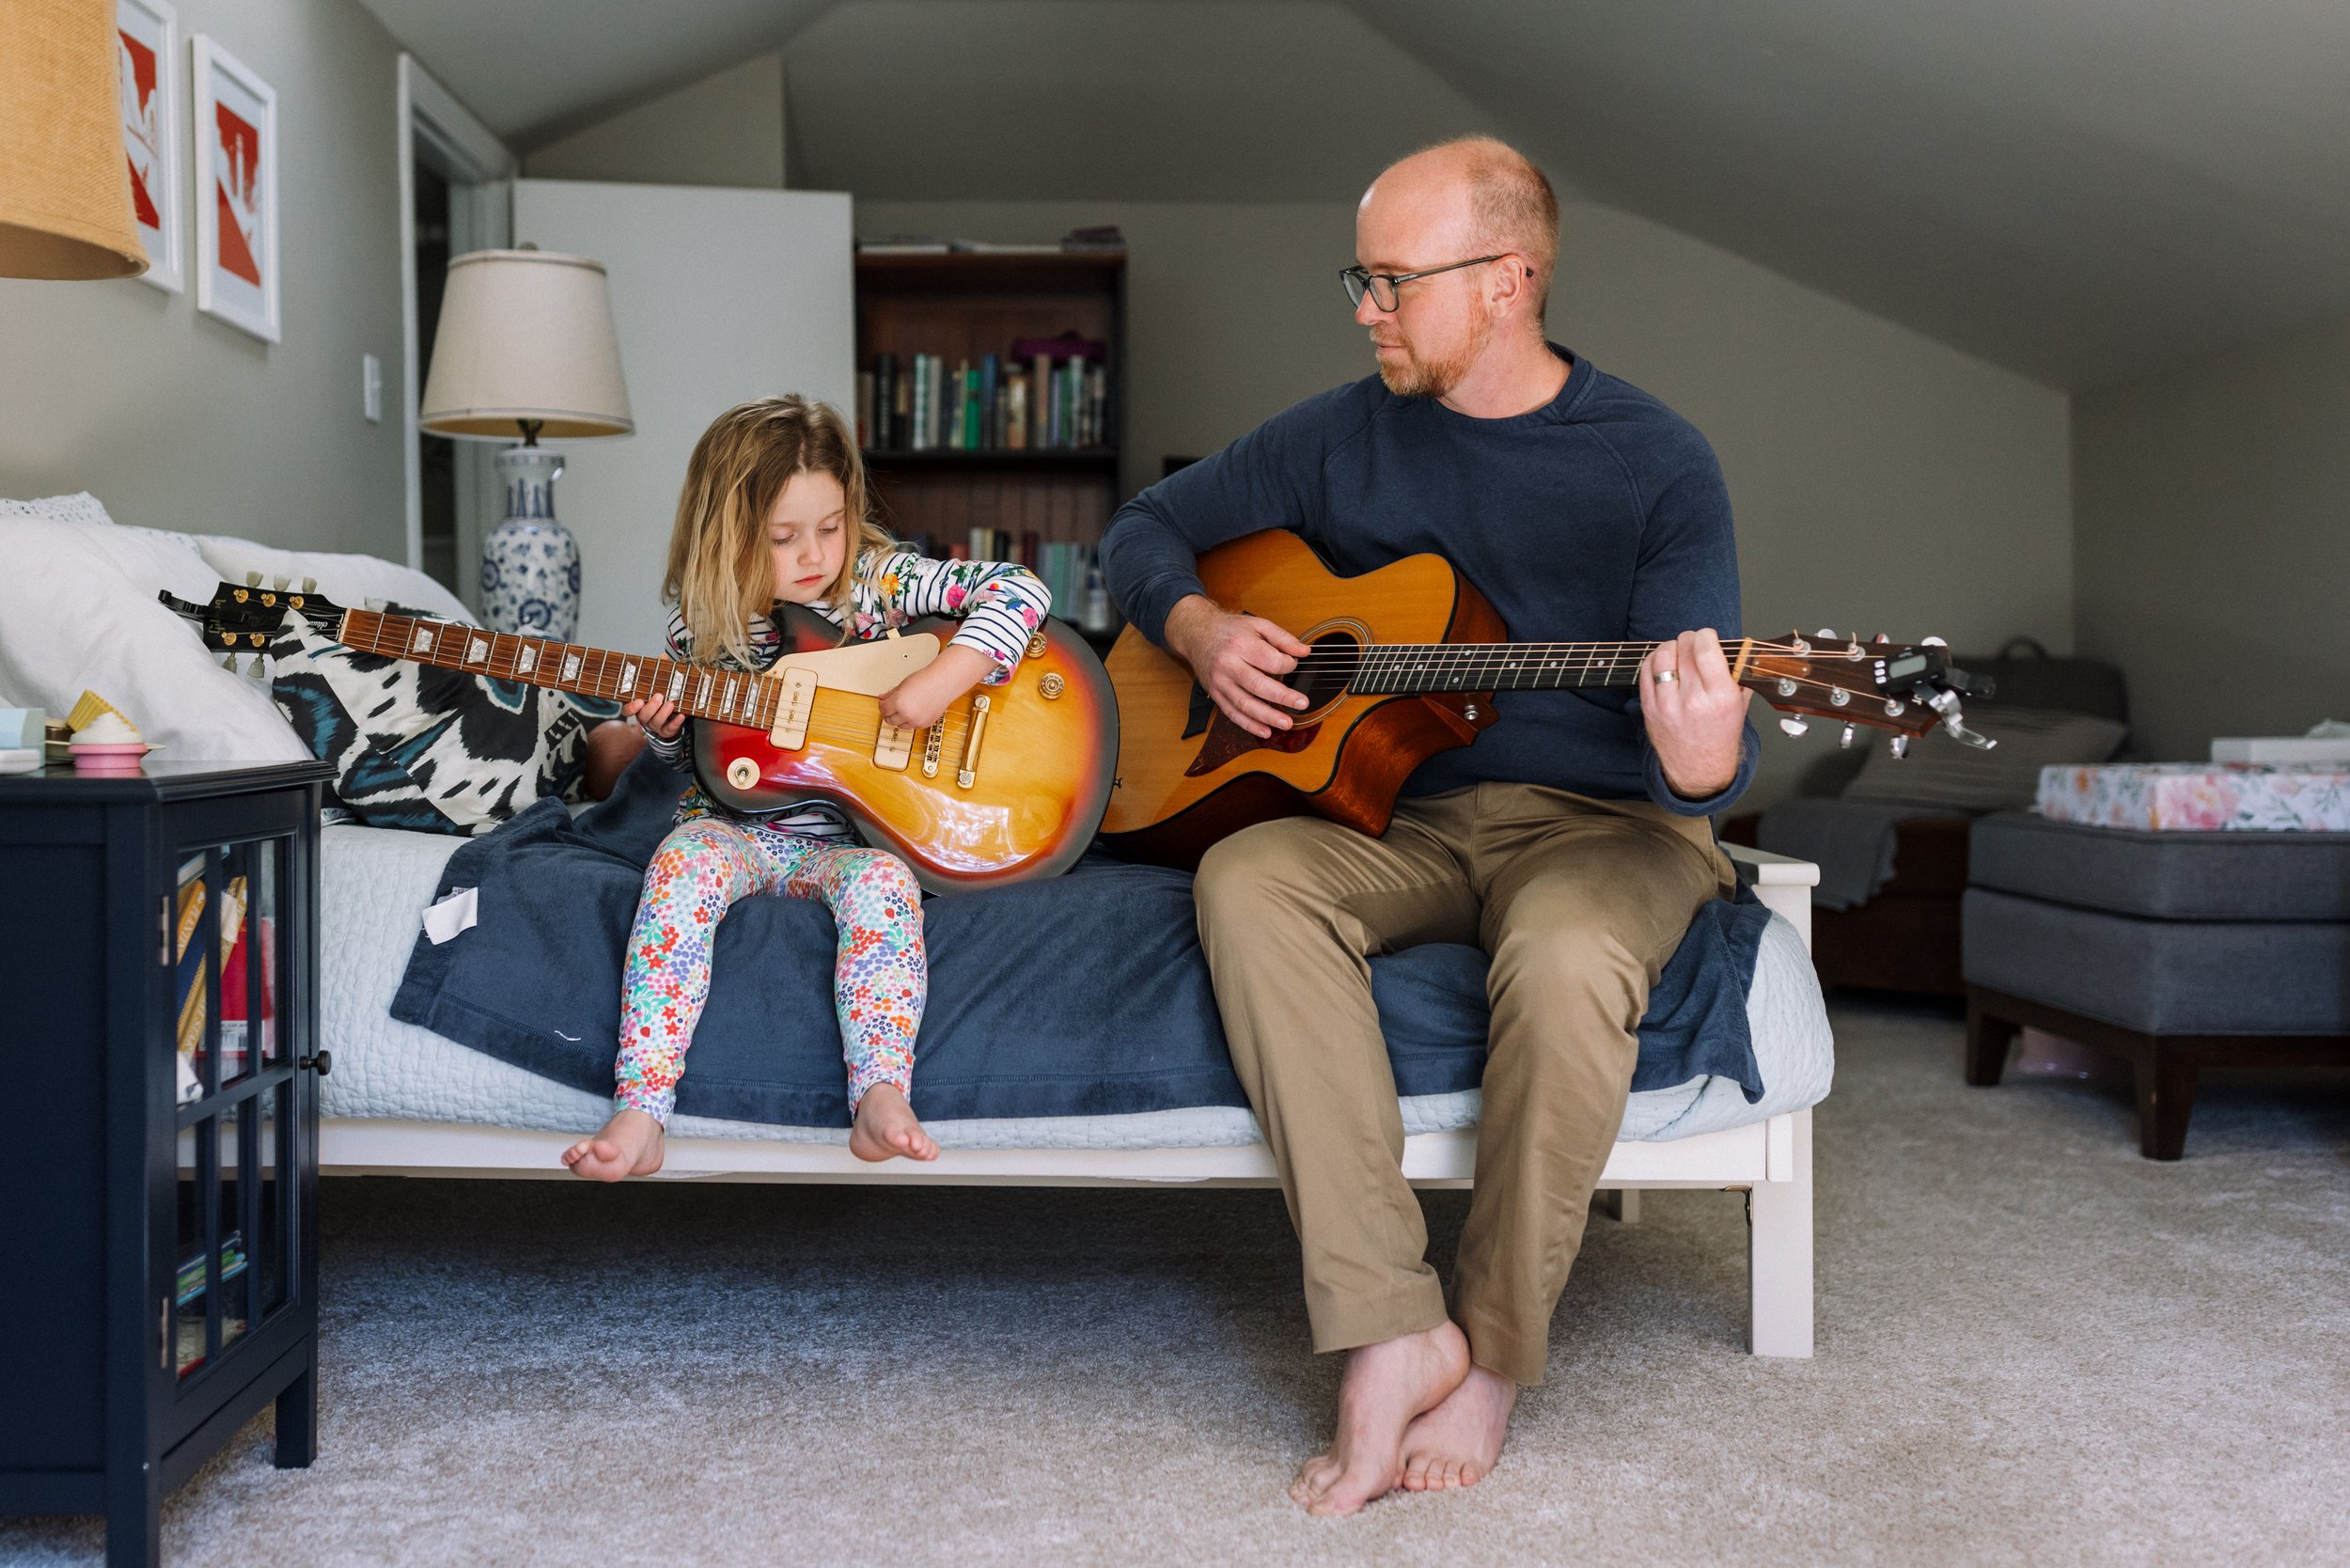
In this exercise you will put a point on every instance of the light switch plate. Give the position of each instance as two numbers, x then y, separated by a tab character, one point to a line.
371	387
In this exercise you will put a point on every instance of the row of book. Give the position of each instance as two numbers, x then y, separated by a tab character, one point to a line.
1035	401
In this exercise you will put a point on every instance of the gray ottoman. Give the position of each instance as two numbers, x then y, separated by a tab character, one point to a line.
2176	950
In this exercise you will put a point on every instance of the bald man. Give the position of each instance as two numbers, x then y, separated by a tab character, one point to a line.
1571	840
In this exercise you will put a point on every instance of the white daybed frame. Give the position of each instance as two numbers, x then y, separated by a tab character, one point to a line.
1770	1160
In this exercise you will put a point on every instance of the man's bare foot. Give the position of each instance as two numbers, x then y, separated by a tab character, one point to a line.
887	1128
1385	1387
1458	1443
629	1145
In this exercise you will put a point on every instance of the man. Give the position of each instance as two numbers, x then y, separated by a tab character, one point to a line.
1570	841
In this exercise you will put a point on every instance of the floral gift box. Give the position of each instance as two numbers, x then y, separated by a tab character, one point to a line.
2201	797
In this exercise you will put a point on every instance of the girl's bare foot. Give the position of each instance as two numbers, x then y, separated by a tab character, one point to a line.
629	1145
887	1128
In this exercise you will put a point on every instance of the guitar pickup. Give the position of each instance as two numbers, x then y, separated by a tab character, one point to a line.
895	748
790	733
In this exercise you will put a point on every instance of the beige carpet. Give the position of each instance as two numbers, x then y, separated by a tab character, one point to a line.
2035	1347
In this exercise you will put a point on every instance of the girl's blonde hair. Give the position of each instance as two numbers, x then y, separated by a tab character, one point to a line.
721	573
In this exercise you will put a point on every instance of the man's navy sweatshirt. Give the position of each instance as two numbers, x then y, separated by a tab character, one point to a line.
1599	517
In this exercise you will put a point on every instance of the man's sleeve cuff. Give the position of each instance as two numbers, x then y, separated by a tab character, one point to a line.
1660	788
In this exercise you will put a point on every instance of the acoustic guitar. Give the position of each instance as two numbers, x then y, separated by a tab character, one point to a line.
1010	784
1405	662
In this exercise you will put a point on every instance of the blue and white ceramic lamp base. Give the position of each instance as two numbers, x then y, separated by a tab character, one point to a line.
531	562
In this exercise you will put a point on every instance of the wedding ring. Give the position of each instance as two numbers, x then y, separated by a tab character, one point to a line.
1667	676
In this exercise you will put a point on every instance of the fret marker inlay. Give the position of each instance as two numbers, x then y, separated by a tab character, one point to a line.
571	667
527	661
476	650
424	640
628	677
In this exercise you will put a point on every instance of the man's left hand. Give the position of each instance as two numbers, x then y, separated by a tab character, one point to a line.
1695	714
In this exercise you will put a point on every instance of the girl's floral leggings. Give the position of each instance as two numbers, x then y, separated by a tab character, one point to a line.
880	979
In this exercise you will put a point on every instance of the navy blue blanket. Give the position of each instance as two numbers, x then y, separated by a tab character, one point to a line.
1082	995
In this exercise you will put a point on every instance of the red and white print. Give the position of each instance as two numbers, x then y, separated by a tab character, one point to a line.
146	34
236	195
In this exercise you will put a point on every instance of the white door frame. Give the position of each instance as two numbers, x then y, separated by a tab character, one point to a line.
469	154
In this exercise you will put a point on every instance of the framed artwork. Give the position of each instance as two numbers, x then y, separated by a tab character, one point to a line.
236	193
147	42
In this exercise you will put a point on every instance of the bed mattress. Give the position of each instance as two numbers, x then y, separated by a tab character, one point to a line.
375	883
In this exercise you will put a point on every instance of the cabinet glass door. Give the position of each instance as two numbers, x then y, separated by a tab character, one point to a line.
234	1098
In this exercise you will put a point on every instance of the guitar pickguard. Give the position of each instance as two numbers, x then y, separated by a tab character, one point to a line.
1226	740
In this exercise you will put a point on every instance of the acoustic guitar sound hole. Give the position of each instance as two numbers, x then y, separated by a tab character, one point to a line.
1323	677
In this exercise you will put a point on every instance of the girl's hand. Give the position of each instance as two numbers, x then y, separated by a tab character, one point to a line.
922	699
658	714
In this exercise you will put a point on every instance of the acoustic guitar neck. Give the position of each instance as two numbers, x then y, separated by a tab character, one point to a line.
1383	668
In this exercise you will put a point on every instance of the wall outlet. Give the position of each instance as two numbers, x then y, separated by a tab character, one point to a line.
372	388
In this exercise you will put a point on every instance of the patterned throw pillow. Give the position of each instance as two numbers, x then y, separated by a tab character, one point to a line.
428	749
1940	772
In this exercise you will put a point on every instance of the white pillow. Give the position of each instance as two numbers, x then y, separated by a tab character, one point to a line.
78	612
80	506
350	581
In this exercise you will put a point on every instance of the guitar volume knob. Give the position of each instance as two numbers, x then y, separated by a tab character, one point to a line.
1050	686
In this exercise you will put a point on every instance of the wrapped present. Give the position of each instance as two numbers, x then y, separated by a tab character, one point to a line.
2201	797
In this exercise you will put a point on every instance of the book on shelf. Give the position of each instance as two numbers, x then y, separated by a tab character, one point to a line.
1049	394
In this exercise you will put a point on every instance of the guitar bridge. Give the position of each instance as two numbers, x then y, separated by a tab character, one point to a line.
930	748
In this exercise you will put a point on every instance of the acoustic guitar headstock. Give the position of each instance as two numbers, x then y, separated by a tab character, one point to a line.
1906	689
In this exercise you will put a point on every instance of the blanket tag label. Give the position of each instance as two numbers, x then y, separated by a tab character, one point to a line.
459	912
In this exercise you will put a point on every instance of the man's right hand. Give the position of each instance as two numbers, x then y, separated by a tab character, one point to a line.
1239	660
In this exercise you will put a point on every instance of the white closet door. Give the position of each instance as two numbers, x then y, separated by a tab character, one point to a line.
719	296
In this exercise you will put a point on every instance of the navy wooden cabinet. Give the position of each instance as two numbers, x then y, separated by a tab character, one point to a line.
158	1034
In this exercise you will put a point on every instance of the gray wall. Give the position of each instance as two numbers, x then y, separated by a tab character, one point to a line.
723	130
2212	540
1882	482
175	419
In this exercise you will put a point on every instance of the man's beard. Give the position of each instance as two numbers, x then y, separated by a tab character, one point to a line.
1418	377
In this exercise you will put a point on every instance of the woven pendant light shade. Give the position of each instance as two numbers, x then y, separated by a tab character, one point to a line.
65	185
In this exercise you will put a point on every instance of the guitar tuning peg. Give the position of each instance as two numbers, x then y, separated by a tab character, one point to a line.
1846	740
1881	637
1900	748
1827	632
281	584
228	663
1932	642
310	584
253	579
1793	726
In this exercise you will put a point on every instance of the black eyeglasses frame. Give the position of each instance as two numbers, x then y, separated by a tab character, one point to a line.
1359	281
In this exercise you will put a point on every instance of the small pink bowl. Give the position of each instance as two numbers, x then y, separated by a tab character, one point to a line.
111	757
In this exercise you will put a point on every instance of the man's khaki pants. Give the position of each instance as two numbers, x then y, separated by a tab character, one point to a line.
1580	904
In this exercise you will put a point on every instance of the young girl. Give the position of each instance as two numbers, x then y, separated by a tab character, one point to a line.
774	510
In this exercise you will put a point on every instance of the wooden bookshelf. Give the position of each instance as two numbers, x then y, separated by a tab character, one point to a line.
967	305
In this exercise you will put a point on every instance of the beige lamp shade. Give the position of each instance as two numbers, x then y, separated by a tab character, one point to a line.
65	182
525	334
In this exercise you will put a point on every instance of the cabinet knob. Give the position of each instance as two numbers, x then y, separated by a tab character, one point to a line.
322	1064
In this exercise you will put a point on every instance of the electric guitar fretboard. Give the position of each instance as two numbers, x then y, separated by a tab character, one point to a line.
728	696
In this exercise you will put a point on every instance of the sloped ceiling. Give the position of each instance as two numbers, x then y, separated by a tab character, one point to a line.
2080	190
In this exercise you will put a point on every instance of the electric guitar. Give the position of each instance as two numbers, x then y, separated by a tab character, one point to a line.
1009	784
1405	662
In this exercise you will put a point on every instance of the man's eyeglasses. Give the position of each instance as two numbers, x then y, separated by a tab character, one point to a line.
1381	287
